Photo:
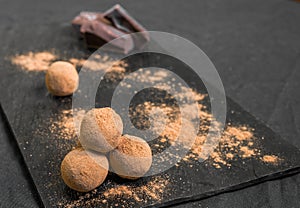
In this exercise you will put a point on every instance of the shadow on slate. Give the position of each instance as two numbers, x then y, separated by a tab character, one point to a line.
27	106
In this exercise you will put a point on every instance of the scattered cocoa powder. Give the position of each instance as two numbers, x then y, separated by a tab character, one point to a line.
230	147
34	61
77	62
97	63
152	190
67	124
235	142
63	125
273	159
241	133
40	61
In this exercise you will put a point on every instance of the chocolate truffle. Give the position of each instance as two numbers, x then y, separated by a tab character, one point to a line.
61	78
83	171
132	158
100	130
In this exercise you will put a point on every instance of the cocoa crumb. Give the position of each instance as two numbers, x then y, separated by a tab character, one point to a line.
273	159
241	133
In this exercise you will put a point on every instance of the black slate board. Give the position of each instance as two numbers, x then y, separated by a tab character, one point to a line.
27	105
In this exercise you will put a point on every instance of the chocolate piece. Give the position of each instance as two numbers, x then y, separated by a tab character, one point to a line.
123	21
100	28
85	17
97	33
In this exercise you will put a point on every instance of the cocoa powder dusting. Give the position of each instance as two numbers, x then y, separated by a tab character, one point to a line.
235	142
40	61
32	61
98	62
64	125
110	124
151	190
273	159
132	147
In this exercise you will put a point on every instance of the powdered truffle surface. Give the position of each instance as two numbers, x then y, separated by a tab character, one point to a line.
132	158
134	146
100	129
62	78
84	171
110	124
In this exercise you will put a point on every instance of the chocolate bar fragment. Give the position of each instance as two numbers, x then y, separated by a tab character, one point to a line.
85	18
97	33
123	21
99	28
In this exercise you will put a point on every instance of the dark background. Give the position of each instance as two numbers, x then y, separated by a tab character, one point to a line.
255	46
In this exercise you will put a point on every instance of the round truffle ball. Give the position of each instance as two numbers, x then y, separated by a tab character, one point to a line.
100	130
61	79
132	158
84	170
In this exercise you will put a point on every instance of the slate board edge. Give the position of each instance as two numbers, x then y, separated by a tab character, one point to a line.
246	184
10	129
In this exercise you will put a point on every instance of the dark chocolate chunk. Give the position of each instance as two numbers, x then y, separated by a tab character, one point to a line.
97	33
120	18
123	21
100	28
86	17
